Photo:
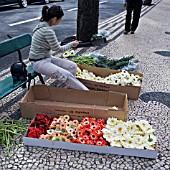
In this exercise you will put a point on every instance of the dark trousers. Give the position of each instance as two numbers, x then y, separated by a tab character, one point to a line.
136	9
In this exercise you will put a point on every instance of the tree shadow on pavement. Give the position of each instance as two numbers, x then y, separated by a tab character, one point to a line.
160	97
163	53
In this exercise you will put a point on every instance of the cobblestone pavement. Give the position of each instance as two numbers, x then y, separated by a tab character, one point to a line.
150	45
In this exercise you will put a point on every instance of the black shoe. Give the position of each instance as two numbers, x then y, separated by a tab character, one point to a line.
132	32
126	32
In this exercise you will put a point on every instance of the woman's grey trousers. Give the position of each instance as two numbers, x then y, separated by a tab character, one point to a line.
62	70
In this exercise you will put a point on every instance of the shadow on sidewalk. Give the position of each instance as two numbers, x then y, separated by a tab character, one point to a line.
160	97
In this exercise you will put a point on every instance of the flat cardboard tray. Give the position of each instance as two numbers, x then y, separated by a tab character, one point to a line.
90	148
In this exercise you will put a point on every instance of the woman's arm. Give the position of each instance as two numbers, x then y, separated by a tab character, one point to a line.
54	44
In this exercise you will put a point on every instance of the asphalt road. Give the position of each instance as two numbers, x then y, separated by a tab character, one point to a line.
15	21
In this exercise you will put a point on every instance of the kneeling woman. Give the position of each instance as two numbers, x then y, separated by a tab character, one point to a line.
44	40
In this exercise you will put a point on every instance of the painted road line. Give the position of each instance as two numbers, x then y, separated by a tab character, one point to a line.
102	2
73	9
22	22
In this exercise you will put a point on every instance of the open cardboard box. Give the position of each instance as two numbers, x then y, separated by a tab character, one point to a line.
75	103
90	148
131	91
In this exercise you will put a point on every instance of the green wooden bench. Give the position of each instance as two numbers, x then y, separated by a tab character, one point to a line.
9	46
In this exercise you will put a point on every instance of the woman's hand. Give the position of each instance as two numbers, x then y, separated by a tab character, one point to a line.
75	43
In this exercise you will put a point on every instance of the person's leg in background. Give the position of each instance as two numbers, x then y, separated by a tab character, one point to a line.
64	78
129	10
136	16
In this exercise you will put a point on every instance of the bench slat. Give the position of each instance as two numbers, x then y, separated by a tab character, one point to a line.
16	43
7	86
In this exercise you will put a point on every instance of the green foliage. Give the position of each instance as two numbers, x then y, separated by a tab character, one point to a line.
86	60
10	131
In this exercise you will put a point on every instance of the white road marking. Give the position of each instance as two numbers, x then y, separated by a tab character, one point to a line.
102	2
22	22
33	19
73	9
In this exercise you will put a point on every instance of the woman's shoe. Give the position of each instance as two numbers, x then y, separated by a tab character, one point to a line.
126	32
132	32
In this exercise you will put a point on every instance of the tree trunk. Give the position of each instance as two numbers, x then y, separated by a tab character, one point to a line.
87	19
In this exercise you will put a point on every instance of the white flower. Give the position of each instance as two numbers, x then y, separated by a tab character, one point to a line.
112	121
128	142
115	108
108	137
105	131
131	127
78	71
139	140
120	129
50	131
116	143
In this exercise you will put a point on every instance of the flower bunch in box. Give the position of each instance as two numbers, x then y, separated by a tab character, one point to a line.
61	129
123	78
39	126
90	132
138	134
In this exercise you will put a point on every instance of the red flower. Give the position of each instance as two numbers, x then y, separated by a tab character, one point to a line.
40	117
92	122
99	133
81	140
101	121
93	136
85	119
80	132
89	142
99	143
85	137
32	134
94	127
86	123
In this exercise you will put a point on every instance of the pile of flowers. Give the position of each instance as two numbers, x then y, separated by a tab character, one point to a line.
39	126
61	129
90	132
138	134
123	78
69	53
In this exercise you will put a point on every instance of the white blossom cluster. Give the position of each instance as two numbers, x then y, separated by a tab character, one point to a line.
123	78
138	134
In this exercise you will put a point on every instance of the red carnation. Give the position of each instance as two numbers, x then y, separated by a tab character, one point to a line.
32	134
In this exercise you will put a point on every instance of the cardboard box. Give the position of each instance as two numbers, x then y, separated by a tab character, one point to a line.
131	91
90	148
75	103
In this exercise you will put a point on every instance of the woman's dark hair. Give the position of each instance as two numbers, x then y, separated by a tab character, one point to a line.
53	11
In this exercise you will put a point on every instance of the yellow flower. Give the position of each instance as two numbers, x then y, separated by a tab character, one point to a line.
66	54
72	53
